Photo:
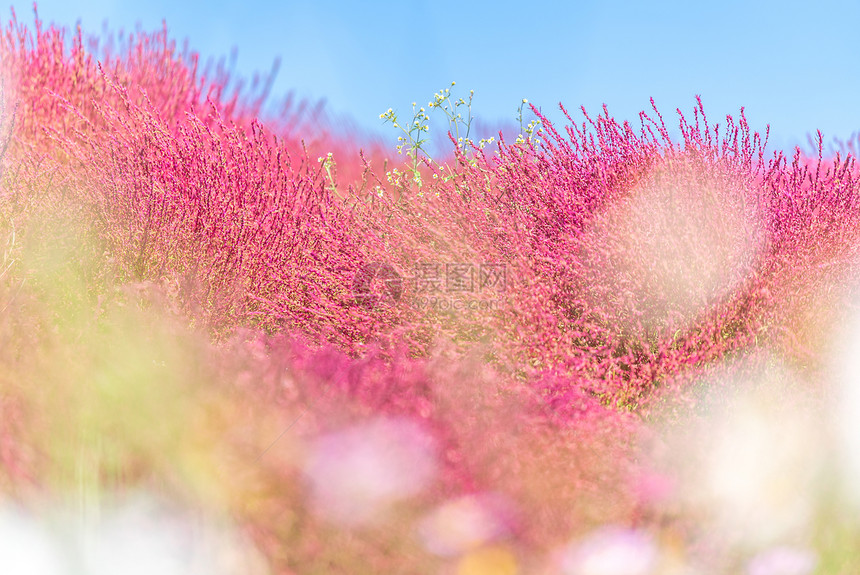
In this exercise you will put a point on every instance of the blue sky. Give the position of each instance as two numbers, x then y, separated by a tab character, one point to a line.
793	65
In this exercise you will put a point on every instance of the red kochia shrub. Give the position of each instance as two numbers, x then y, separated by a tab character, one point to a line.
245	228
183	183
589	296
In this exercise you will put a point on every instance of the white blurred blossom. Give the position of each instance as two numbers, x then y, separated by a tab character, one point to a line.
612	551
135	536
355	474
783	561
752	463
845	364
27	546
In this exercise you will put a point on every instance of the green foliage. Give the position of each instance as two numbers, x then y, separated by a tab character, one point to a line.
459	116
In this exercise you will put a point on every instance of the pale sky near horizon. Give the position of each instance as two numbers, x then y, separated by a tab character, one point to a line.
793	65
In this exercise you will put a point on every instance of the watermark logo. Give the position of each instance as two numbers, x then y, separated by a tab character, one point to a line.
377	285
437	278
449	286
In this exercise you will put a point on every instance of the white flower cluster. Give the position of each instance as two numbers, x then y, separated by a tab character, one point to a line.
138	537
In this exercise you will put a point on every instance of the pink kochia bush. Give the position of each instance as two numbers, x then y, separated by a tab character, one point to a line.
188	305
